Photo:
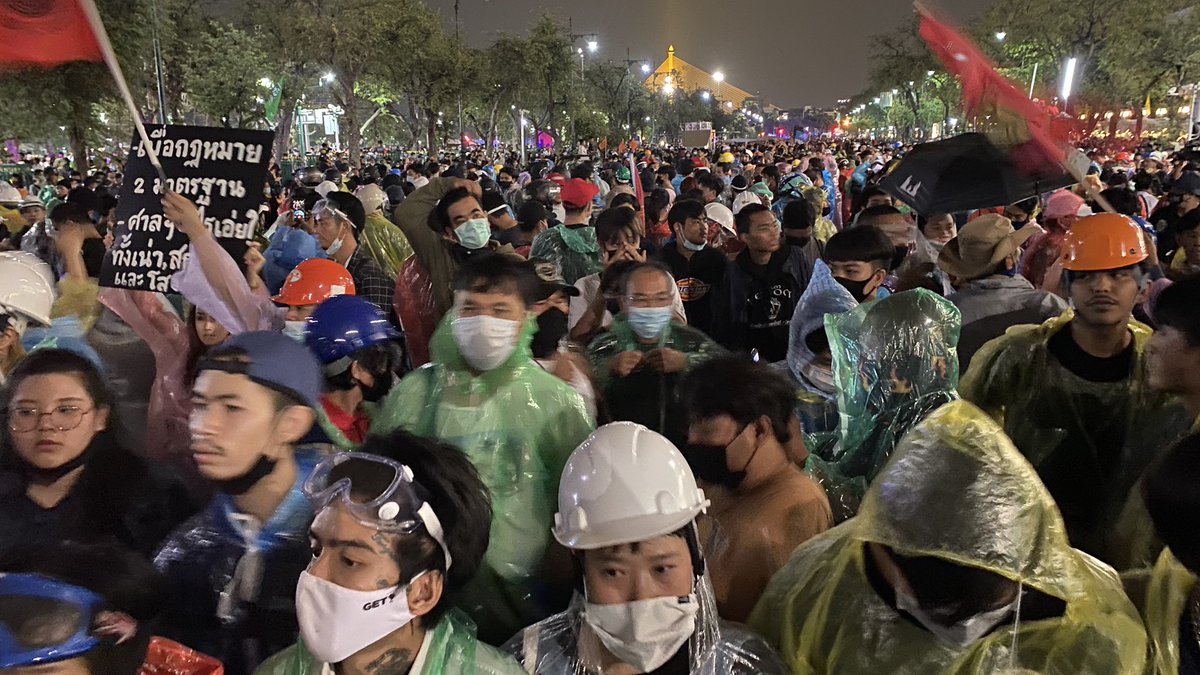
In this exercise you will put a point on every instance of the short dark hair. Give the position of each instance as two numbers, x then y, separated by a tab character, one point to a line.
499	273
861	243
874	191
683	210
70	212
1172	500
623	199
582	170
1176	307
666	170
711	181
1125	201
612	223
799	214
742	219
868	215
453	489
742	389
439	218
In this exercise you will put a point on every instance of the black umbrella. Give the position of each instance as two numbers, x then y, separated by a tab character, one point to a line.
963	173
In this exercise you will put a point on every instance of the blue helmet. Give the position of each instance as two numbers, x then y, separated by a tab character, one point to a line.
343	325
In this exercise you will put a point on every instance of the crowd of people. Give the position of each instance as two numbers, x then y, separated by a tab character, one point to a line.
728	410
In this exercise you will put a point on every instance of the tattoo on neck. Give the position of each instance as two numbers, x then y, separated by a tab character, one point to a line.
392	662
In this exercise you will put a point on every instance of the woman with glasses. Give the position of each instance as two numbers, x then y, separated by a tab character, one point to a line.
62	474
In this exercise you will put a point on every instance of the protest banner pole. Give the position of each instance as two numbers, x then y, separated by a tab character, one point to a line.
110	59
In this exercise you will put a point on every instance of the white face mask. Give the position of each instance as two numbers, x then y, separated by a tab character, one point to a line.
336	622
644	634
821	378
335	246
485	341
961	634
294	329
474	234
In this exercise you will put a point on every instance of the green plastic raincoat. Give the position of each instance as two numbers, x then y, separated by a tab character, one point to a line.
573	249
386	244
453	650
958	490
1166	599
645	396
518	424
1089	441
894	362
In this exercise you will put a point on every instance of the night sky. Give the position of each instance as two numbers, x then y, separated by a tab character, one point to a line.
792	52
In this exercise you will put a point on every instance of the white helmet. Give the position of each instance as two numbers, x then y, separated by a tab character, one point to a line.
625	483
8	193
26	286
373	198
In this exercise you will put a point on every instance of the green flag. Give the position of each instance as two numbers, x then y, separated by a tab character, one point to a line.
271	107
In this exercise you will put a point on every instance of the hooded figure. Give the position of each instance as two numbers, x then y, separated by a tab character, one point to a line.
517	423
895	361
629	500
956	498
816	404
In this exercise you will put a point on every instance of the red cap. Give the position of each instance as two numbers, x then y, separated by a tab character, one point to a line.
556	178
578	192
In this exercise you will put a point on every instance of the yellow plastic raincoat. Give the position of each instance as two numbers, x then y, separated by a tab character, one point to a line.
518	424
1089	441
955	489
386	244
1166	599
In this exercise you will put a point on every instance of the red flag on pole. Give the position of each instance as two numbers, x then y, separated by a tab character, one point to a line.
45	33
1018	124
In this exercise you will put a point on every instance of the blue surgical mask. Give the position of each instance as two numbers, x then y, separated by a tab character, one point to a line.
649	322
474	233
693	247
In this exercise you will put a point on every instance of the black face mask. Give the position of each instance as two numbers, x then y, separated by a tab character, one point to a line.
709	463
857	288
552	328
376	392
40	476
797	240
505	185
242	484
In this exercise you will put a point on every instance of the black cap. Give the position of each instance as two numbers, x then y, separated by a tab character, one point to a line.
739	183
1187	184
351	206
550	279
492	202
530	213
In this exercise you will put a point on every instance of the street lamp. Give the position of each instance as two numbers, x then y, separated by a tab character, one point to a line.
718	77
265	82
1000	35
327	78
705	95
592	45
1068	81
646	68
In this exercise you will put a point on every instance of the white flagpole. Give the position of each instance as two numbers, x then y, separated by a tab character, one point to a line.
110	58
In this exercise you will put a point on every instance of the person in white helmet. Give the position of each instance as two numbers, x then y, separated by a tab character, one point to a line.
627	509
384	242
26	296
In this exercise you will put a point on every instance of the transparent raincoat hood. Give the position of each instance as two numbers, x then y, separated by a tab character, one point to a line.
552	647
895	361
955	489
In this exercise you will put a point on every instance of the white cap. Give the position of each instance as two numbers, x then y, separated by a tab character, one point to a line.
325	187
26	286
624	484
8	193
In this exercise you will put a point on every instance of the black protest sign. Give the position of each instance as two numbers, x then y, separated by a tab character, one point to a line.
221	170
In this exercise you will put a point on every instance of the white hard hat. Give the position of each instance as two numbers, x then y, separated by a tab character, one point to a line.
325	187
720	213
372	196
26	286
624	484
8	193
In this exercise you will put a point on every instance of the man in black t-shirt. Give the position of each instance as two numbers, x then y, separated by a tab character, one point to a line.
697	269
1074	394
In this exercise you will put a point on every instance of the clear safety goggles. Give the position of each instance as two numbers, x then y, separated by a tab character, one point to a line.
379	492
45	621
327	208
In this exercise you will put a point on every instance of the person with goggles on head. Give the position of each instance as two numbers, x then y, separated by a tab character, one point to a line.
76	609
396	536
340	219
644	602
233	567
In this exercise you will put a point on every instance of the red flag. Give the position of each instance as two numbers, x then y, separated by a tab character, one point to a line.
45	33
1021	126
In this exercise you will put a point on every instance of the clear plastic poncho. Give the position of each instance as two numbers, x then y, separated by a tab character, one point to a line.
894	361
958	490
574	251
386	244
1089	441
552	647
518	424
453	650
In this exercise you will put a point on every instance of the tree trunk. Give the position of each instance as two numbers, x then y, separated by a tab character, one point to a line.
430	130
79	148
349	104
283	131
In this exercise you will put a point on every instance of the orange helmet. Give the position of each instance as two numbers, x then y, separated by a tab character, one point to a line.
1105	241
314	281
